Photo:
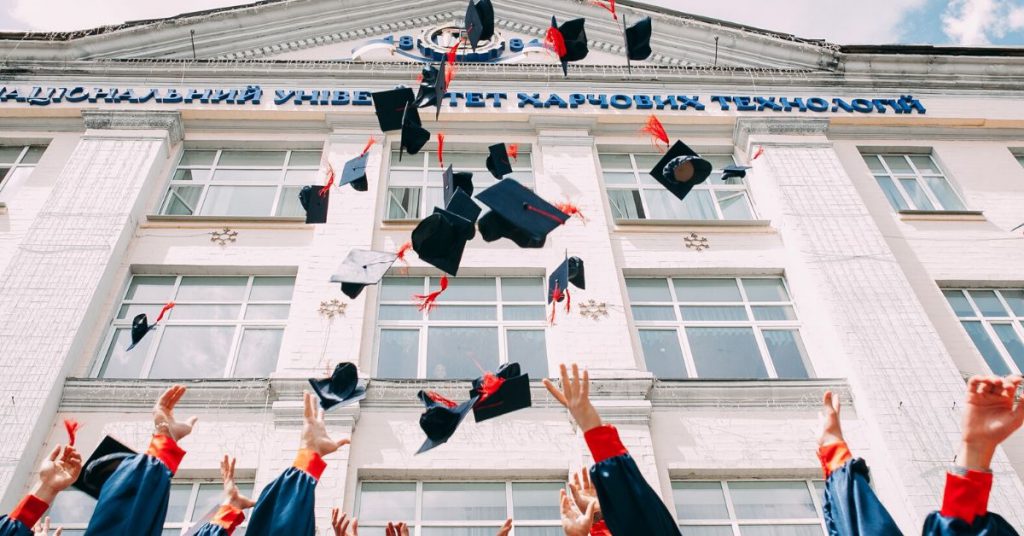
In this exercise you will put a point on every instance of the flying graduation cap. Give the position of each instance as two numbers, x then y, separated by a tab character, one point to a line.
354	172
568	41
315	200
502	392
441	418
361	268
341	389
440	239
518	214
433	88
734	170
456	180
101	465
479	22
499	159
681	169
396	110
638	40
141	326
569	272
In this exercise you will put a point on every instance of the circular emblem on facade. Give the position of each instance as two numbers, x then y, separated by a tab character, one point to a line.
435	43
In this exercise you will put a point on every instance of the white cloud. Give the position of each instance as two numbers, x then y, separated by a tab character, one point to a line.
978	22
68	15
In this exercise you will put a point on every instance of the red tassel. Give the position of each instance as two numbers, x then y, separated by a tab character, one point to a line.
401	257
656	130
758	153
453	53
436	397
71	426
489	386
330	178
568	301
555	42
513	151
369	143
419	78
544	213
168	307
449	75
604	5
440	148
428	301
556	296
571	210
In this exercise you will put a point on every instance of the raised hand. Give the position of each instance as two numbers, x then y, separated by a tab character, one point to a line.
575	396
828	420
575	523
397	529
163	415
992	414
584	493
314	431
506	528
42	528
58	471
233	497
343	526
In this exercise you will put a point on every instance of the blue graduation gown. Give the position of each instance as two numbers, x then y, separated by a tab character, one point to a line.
965	509
134	498
13	527
223	522
285	507
990	524
23	517
851	507
628	503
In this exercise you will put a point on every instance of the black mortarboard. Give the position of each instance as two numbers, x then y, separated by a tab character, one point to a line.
638	39
679	155
575	37
479	22
101	464
341	389
511	392
440	421
440	239
414	136
360	268
518	214
141	325
570	271
390	107
734	171
354	173
576	275
462	180
464	207
498	162
433	88
314	203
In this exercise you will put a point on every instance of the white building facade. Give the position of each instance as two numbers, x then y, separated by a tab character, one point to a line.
871	250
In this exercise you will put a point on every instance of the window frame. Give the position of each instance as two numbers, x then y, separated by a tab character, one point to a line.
735	523
502	325
240	324
757	326
280	185
418	523
7	184
917	176
638	185
1016	322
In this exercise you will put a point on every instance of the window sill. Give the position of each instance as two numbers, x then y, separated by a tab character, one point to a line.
942	215
794	394
287	221
399	224
708	225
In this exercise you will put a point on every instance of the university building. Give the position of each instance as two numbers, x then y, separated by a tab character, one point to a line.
873	249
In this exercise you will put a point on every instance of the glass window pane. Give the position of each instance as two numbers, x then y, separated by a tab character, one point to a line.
462	160
614	161
699	500
787	352
212	289
707	290
182	200
1011	341
119	362
33	154
522	289
465	313
780	530
258	352
523	313
766	500
712	313
944	193
192	352
898	164
626	204
645	162
303	176
434	198
399	312
765	290
536	501
648	290
289	206
398	353
699	205
987	348
400	288
529	349
653	313
10	154
891	193
1015	298
305	158
988	303
205	312
735	205
467	289
151	288
958	302
197	158
413	178
272	289
385	501
774	313
251	158
71	506
918	198
726	353
248	175
177	506
925	165
714	530
208	499
662	353
403	203
151	310
194	175
620	178
443	501
239	201
665	206
461	353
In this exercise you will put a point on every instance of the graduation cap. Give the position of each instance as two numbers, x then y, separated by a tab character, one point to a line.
101	465
502	392
569	41
498	162
414	136
462	180
341	389
681	169
433	88
518	214
390	107
638	39
361	268
479	22
440	239
569	272
314	199
442	418
140	325
734	171
354	172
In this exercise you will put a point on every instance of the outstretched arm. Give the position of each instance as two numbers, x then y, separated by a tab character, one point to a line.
58	470
230	513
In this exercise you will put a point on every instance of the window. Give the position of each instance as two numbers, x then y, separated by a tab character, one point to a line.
460	508
913	182
16	164
221	326
189	502
1020	159
635	195
994	320
718	328
415	185
479	323
241	183
749	507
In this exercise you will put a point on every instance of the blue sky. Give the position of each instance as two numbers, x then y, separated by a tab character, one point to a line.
946	22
